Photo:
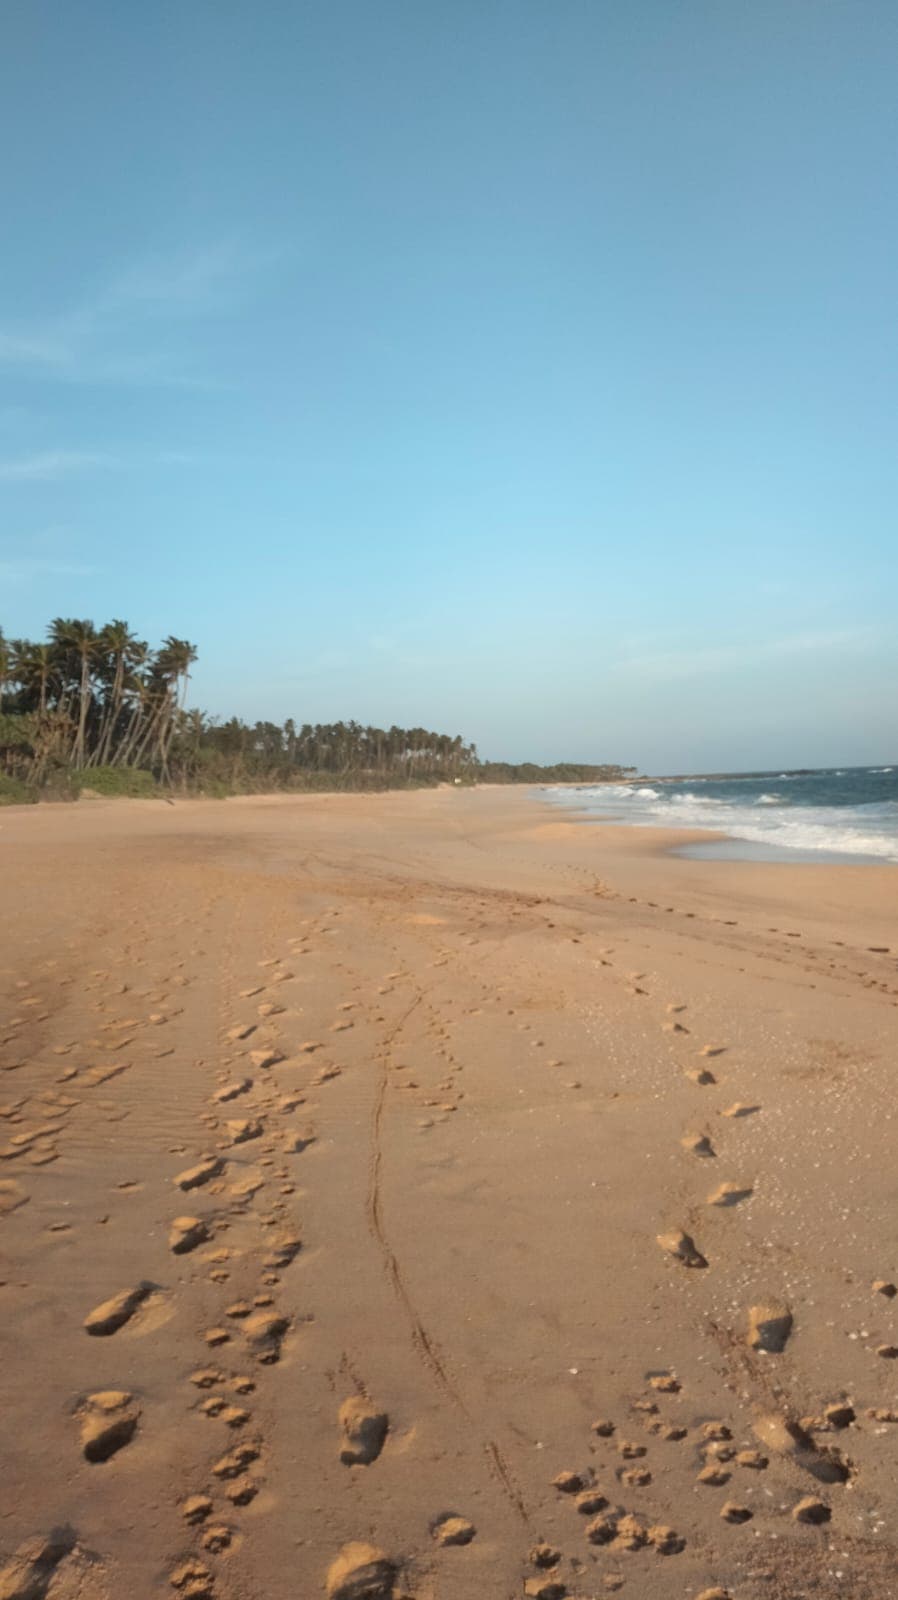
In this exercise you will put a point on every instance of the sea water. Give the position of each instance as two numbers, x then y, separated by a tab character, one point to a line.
836	813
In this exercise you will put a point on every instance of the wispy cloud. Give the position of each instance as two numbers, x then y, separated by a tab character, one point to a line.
135	329
202	282
689	661
26	570
50	464
19	350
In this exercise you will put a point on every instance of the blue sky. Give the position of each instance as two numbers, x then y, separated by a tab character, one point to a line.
520	369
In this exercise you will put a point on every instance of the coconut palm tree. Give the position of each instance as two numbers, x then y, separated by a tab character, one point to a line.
123	651
4	666
79	637
33	667
171	673
176	659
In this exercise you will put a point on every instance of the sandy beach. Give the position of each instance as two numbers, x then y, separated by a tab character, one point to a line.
424	1172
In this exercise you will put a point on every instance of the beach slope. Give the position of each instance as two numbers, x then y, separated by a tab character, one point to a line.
503	1198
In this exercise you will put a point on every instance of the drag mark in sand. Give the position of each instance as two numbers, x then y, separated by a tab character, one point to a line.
420	1338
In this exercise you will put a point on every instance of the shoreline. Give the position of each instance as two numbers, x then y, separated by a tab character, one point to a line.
699	844
649	860
718	844
681	841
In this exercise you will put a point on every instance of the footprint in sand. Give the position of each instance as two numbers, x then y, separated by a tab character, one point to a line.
196	1508
194	1177
811	1510
769	1327
265	1058
242	1129
698	1144
194	1580
364	1431
545	1587
635	1477
109	1421
682	1247
361	1572
28	1573
734	1513
242	1031
247	1187
282	1252
568	1482
729	1194
43	1155
451	1529
700	1075
589	1501
107	1318
217	1539
544	1556
665	1383
294	1143
230	1091
12	1195
186	1233
264	1335
236	1461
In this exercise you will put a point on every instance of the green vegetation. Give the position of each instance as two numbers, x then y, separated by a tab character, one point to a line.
96	710
561	772
14	793
134	781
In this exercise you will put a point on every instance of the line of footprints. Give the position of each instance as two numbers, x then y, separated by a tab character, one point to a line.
109	1419
768	1329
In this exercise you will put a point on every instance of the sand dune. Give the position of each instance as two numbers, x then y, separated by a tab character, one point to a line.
355	1158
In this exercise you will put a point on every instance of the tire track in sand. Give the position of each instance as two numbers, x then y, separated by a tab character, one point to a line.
421	1339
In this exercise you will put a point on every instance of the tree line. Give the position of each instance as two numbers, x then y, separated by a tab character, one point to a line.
97	708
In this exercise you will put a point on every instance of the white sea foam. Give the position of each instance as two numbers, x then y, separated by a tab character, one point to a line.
869	829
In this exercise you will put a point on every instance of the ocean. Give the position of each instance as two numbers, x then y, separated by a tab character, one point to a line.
834	814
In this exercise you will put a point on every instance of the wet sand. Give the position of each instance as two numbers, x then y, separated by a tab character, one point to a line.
568	1163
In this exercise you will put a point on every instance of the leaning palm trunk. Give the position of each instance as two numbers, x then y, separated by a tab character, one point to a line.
149	736
122	756
118	754
111	714
167	733
82	712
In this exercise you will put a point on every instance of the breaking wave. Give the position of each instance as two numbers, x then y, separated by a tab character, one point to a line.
840	811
